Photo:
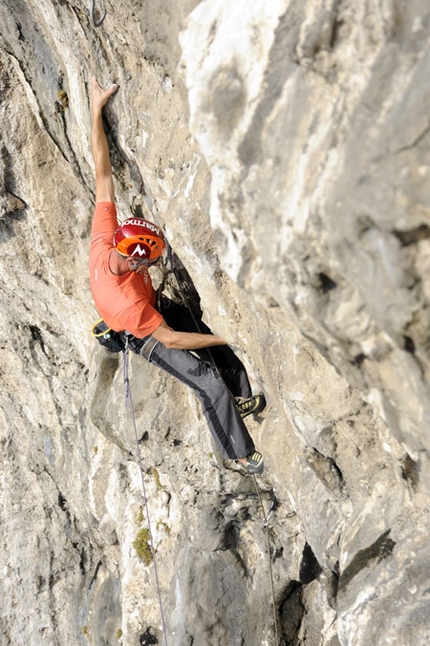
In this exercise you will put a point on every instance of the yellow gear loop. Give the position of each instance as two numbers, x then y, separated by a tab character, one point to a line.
103	332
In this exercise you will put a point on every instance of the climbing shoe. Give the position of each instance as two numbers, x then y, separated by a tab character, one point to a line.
254	464
252	405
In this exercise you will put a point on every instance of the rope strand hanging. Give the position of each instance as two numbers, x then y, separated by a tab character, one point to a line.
128	397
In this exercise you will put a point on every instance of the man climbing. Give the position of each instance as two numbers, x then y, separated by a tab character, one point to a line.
125	298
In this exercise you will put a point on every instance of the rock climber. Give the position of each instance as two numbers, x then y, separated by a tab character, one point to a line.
121	286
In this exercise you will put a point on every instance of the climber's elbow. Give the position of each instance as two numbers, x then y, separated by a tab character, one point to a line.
165	335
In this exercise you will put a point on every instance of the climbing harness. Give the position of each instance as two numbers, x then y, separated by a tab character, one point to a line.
266	519
96	23
128	397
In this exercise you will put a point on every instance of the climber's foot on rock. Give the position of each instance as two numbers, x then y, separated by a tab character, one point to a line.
250	406
253	463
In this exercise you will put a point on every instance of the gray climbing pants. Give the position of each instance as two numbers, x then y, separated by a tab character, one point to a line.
225	423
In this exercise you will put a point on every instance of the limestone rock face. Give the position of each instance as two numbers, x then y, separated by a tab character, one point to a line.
284	148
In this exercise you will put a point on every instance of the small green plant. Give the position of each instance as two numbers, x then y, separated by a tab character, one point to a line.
119	633
85	630
141	545
157	478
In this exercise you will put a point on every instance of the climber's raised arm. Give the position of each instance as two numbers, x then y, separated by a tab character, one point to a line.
105	191
120	281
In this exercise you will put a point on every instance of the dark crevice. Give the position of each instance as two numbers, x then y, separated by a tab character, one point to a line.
381	549
183	290
310	569
335	31
83	561
412	236
333	582
410	471
36	337
231	536
359	359
94	577
148	638
292	607
62	503
20	34
292	610
326	283
409	344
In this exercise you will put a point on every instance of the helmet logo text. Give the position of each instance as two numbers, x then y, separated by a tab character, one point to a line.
140	251
143	223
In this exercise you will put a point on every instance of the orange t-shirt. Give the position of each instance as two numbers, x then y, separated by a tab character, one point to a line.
124	302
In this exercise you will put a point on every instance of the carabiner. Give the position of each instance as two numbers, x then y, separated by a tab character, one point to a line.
96	23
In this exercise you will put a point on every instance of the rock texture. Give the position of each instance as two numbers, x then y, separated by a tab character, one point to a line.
284	146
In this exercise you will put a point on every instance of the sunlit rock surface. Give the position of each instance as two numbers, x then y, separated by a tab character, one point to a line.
284	147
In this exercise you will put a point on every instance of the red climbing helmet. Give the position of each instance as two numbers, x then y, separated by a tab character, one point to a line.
139	239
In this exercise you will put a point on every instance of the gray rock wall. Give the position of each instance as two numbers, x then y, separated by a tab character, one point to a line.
284	148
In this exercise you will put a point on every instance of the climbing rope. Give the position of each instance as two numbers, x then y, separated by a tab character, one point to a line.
96	23
128	397
266	519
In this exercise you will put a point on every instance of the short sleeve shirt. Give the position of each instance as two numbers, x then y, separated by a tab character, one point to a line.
124	302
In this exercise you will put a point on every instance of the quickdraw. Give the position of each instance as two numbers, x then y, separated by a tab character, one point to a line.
266	519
